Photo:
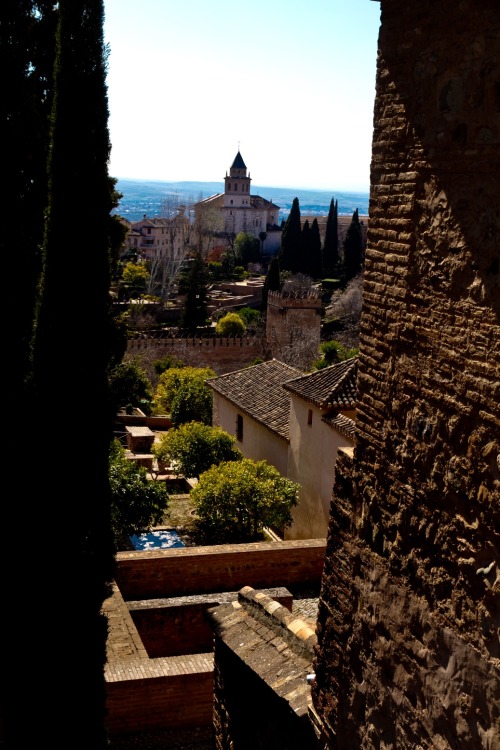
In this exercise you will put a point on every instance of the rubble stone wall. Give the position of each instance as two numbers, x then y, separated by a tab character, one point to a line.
409	620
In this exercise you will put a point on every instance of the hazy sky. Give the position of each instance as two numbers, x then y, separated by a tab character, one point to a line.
290	84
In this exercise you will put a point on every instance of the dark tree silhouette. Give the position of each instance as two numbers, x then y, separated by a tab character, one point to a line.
72	565
331	256
353	248
194	285
290	253
313	252
272	282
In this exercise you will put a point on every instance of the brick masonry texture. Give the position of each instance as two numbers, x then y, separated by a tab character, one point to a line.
408	625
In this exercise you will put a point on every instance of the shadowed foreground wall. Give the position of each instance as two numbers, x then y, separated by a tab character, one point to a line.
408	631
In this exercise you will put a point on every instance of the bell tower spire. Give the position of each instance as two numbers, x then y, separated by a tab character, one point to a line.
237	184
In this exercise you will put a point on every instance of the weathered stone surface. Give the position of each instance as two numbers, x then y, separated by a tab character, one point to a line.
408	635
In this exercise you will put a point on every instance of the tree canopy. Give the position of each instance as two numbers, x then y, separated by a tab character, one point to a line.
237	499
290	252
246	248
56	125
183	393
137	502
193	284
272	282
331	257
230	325
353	248
193	448
332	352
129	384
313	257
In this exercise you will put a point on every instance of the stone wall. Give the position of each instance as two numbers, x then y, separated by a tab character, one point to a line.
179	625
224	567
221	354
409	621
262	659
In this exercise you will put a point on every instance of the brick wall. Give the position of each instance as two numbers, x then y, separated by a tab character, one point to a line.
409	622
179	625
225	567
177	700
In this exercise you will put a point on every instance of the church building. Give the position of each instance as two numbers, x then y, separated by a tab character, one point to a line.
242	212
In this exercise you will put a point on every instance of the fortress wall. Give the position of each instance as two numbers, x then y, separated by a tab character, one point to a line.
221	354
409	620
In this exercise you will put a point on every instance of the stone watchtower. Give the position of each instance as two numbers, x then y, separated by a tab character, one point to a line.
293	326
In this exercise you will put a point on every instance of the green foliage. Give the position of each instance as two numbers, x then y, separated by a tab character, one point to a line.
290	253
54	120
193	448
249	315
193	401
239	273
183	393
166	362
353	248
237	499
246	248
193	283
331	257
272	282
129	384
135	276
215	270
251	318
331	353
137	503
313	252
230	325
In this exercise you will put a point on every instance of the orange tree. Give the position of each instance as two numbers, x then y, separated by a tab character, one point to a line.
235	500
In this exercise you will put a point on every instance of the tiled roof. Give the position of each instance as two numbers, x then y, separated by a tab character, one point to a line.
256	201
331	387
258	391
345	425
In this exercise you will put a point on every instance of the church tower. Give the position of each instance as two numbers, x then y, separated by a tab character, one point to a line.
237	185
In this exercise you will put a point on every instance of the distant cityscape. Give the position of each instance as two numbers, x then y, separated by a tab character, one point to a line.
146	197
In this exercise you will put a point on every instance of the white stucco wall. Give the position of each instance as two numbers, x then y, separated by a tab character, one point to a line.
259	443
311	462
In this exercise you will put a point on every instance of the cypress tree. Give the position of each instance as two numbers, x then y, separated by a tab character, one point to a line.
305	266
55	689
27	59
315	256
290	253
194	284
272	282
331	257
353	248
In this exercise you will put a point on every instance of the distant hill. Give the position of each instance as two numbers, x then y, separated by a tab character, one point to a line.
145	197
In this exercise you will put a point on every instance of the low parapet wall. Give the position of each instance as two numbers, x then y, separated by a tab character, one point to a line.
226	567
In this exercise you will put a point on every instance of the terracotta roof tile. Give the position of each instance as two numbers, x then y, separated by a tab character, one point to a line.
331	387
345	425
258	391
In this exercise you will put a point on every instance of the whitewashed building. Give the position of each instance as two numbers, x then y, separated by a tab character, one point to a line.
295	421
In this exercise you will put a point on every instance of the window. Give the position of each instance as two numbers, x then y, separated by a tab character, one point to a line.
239	427
309	416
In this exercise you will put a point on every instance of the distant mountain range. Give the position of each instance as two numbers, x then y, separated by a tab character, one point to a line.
145	197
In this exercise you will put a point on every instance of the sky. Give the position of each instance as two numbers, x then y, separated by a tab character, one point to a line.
289	84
